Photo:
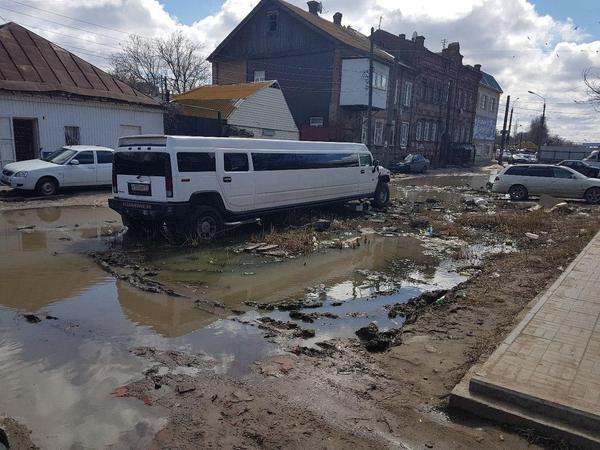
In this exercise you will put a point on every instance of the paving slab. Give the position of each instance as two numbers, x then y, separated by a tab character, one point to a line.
548	368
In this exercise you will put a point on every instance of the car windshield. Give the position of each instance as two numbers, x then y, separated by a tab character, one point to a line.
409	158
60	156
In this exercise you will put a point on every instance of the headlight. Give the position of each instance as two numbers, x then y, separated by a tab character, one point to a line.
21	174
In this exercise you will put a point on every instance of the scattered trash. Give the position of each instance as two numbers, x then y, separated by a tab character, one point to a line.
532	236
32	318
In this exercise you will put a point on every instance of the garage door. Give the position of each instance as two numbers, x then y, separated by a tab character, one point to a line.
130	130
7	149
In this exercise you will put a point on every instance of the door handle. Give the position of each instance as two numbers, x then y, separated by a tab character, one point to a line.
362	171
226	179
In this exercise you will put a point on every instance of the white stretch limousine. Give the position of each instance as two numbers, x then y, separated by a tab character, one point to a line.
195	184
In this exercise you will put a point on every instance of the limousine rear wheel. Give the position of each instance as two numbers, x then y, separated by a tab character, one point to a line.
206	224
592	195
518	192
382	195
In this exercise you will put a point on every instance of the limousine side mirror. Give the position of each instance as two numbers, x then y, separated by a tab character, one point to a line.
74	162
375	165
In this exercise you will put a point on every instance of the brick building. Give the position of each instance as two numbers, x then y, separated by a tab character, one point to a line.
445	98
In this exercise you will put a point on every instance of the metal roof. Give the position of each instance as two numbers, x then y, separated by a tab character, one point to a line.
219	97
490	82
30	63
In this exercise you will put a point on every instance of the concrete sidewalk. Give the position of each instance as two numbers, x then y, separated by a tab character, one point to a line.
546	373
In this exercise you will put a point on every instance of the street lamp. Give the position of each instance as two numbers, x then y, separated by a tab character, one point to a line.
543	119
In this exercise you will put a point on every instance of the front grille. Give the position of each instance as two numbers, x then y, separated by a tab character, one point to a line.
6	172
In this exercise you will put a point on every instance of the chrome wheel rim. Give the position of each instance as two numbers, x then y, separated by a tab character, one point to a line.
47	188
594	196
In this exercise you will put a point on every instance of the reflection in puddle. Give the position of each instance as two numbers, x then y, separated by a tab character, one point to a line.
58	374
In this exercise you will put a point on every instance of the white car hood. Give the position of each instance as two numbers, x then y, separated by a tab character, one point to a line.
31	164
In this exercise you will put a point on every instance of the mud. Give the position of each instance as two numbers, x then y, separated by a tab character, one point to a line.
151	346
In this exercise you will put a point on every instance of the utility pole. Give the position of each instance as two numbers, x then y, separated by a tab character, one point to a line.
510	125
447	142
370	108
503	141
542	127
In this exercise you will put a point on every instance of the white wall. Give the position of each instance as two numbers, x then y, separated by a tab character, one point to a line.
266	109
99	122
355	83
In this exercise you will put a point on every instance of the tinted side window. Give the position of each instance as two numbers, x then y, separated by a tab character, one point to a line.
85	157
104	157
299	161
150	164
540	172
236	162
561	173
516	170
196	162
366	159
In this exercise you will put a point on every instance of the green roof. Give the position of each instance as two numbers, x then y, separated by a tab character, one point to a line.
490	82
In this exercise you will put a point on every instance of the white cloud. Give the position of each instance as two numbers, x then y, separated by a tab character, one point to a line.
522	48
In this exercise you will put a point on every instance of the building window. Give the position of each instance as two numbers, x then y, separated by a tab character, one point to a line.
393	134
418	131
426	131
397	94
317	122
408	86
404	134
259	75
379	81
433	131
364	130
483	102
272	17
492	104
72	136
378	132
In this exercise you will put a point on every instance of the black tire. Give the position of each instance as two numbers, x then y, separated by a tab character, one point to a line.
518	193
382	195
206	224
424	169
592	195
46	186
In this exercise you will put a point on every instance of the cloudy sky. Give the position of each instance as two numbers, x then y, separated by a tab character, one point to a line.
538	45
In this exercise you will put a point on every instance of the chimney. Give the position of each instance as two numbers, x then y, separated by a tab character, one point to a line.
420	40
337	19
402	36
478	67
314	7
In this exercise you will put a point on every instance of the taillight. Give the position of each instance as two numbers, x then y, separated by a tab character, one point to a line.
114	182
169	186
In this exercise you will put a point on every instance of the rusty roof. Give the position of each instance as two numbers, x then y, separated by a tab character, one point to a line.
343	34
219	97
30	63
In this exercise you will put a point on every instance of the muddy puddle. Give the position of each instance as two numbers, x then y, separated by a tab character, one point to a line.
59	371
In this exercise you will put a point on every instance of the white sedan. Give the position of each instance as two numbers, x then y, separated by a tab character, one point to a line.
75	165
521	181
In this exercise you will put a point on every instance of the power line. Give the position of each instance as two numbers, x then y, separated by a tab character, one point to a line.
61	24
71	18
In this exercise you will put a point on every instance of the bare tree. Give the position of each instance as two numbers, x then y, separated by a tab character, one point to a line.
184	62
139	65
145	63
591	78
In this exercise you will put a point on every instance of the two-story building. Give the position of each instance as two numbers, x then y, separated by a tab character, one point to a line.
484	132
445	97
322	68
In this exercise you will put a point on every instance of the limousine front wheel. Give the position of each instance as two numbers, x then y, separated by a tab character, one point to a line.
382	195
207	223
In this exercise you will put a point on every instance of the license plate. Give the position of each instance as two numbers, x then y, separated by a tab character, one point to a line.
137	205
139	189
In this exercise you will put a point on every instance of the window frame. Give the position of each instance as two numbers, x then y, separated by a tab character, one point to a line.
408	88
76	138
419	131
404	131
104	152
211	169
272	18
258	79
378	131
225	161
79	153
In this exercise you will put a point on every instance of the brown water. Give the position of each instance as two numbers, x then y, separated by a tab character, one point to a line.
58	374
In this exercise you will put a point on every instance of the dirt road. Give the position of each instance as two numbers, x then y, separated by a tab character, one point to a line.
227	347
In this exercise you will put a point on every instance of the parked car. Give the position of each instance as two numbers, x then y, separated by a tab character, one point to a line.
593	158
582	167
75	165
197	185
521	181
412	164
